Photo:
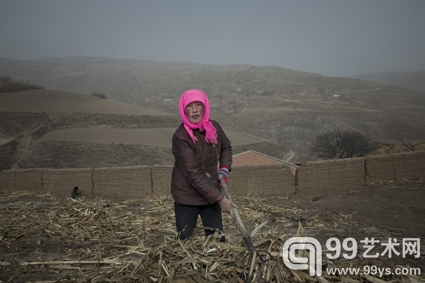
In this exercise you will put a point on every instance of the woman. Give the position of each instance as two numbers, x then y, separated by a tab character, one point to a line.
199	147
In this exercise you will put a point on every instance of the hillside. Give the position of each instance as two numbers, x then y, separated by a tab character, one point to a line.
275	104
9	85
412	80
46	101
55	129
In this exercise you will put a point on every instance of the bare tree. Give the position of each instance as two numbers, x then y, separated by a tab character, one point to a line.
5	79
342	144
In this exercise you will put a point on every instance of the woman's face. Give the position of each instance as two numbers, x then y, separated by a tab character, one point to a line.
195	112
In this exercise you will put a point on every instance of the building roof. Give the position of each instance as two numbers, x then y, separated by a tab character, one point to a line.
254	158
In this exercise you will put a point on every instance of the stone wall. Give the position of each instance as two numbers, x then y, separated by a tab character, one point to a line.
322	177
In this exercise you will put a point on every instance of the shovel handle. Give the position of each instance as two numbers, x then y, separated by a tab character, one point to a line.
237	218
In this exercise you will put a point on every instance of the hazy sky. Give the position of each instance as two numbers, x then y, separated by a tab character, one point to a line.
329	37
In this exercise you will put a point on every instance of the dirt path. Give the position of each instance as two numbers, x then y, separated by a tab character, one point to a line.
291	156
4	140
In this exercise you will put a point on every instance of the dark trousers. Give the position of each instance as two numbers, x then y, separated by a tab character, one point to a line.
187	217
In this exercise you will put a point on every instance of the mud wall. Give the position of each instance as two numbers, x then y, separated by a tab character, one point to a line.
333	176
138	181
320	177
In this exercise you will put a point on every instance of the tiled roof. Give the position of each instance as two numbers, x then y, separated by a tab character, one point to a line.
254	158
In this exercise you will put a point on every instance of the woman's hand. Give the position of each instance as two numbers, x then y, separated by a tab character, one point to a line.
227	205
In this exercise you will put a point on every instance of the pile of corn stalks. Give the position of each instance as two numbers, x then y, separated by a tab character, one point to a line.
45	239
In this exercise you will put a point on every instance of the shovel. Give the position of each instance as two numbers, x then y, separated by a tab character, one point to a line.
257	265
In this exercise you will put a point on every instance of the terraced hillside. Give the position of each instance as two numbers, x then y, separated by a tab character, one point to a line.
53	129
280	105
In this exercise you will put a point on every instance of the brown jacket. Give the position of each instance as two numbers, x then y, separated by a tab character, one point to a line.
195	172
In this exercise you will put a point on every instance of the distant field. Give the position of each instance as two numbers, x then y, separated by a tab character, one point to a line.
159	137
56	129
50	101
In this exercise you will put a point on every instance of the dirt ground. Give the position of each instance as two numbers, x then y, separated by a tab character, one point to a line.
380	211
46	239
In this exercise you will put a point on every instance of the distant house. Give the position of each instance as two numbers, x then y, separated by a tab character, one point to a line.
254	158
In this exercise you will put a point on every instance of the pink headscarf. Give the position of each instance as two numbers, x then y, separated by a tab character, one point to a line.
190	96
